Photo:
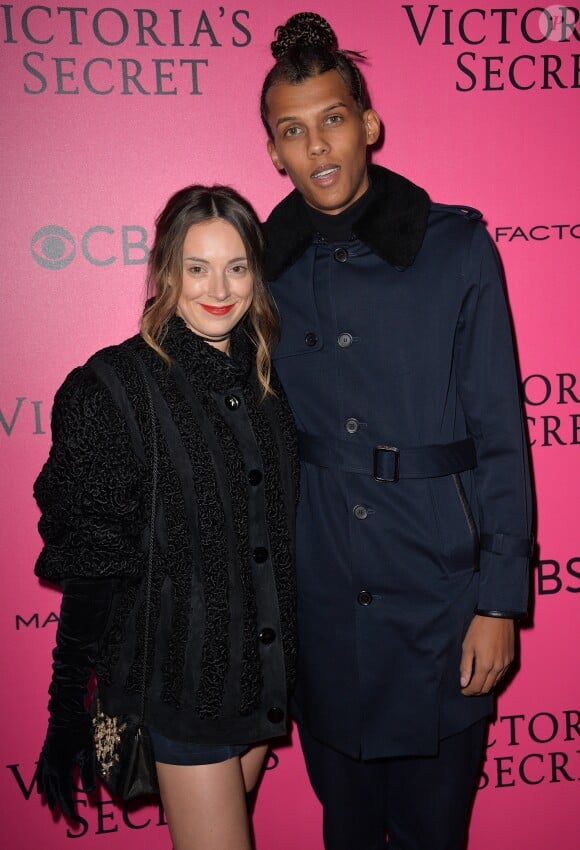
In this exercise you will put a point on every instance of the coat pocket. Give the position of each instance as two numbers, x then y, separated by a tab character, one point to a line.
469	518
456	521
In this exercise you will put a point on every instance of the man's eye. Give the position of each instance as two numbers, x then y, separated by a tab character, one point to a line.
334	119
292	131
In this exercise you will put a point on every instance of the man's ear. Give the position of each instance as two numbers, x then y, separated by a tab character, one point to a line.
372	124
273	155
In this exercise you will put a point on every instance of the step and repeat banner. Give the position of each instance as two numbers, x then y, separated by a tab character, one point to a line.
106	111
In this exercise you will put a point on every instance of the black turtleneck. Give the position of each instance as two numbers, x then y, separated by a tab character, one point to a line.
339	227
391	220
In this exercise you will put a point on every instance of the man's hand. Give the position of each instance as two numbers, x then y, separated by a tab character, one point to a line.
488	651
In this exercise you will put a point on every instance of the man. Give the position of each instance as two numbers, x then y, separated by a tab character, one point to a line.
414	523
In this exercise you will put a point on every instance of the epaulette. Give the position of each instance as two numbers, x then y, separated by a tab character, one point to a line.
459	209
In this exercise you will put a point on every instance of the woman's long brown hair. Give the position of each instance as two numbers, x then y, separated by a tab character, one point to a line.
194	205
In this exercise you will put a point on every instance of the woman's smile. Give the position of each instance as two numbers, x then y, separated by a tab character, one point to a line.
215	266
217	311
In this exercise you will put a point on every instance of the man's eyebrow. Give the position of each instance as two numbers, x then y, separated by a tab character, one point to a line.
335	106
284	118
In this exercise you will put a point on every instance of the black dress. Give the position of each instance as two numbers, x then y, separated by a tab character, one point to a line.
222	658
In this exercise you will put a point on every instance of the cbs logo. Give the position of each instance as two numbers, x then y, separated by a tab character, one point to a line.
53	247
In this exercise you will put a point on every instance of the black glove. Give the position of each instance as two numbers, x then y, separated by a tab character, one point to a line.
69	740
63	749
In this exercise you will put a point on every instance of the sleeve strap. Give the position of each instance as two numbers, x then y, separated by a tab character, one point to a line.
505	544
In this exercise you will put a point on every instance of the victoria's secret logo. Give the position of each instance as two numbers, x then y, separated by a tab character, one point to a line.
98	815
534	749
53	64
485	32
22	409
95	816
552	405
553	409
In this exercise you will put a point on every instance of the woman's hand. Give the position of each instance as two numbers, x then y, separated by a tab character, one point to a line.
64	749
69	741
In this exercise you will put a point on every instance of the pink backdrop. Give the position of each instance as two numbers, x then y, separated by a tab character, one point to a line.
107	110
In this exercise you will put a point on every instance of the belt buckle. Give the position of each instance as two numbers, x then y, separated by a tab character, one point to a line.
397	463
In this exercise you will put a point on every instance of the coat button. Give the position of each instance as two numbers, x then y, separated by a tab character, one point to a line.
310	339
267	635
260	554
360	512
232	402
345	340
341	255
364	598
254	477
275	714
352	425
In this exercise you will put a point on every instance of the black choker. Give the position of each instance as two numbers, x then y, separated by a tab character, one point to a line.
206	338
215	338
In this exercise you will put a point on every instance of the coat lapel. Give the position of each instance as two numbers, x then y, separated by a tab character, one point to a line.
393	224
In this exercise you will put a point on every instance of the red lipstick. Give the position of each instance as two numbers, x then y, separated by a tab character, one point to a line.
217	311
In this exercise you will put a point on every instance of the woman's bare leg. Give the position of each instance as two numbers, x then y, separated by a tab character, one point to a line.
205	805
252	765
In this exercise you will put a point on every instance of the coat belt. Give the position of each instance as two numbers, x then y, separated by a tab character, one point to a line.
388	463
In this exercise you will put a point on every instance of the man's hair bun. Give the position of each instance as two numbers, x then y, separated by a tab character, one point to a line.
306	29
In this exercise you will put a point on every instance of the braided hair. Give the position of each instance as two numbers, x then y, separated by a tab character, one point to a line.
305	47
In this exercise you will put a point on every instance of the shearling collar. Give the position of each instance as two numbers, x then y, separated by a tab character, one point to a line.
392	225
204	365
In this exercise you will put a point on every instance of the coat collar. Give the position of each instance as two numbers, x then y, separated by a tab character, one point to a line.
392	225
205	365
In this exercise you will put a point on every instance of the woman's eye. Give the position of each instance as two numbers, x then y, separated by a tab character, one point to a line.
239	269
195	269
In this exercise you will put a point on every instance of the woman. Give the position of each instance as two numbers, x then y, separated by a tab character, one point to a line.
220	657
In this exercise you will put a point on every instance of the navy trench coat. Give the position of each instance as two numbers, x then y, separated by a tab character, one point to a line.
400	339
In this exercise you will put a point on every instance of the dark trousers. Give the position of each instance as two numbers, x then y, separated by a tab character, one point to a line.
421	803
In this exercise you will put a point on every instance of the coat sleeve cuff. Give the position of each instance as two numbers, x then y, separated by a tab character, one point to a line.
502	615
503	585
